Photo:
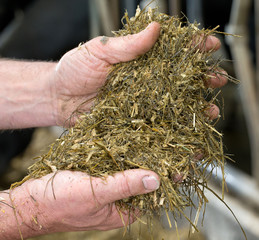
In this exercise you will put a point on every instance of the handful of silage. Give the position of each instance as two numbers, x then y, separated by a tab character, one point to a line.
151	114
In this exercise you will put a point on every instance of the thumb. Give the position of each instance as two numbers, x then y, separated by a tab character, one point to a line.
125	184
122	49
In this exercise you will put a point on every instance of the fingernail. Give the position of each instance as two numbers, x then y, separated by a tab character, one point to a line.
212	112
150	183
223	71
214	42
148	26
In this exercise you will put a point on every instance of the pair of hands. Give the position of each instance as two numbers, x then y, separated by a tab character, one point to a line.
76	79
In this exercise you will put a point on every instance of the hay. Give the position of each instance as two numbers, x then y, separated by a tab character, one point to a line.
151	114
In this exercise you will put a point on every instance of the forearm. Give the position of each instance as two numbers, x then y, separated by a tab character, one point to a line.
25	94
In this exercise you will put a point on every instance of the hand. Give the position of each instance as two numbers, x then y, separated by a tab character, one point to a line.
72	201
83	70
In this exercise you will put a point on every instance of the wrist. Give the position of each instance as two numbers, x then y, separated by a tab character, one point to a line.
26	96
20	215
48	115
39	111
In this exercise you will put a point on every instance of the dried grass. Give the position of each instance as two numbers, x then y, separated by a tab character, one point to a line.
151	114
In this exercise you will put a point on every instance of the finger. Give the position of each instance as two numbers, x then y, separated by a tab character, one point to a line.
217	79
126	48
199	155
212	112
207	43
178	177
125	184
212	43
118	219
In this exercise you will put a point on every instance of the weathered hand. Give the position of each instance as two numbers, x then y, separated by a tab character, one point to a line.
72	201
83	70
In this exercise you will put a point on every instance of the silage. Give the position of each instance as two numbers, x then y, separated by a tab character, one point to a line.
151	114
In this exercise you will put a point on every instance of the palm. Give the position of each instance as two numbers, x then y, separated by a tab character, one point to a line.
79	75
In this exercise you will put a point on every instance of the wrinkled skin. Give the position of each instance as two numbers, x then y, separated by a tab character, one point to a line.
75	202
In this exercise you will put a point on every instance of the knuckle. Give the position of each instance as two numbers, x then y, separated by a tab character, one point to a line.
125	188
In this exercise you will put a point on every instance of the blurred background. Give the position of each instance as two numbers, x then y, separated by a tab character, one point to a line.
46	29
